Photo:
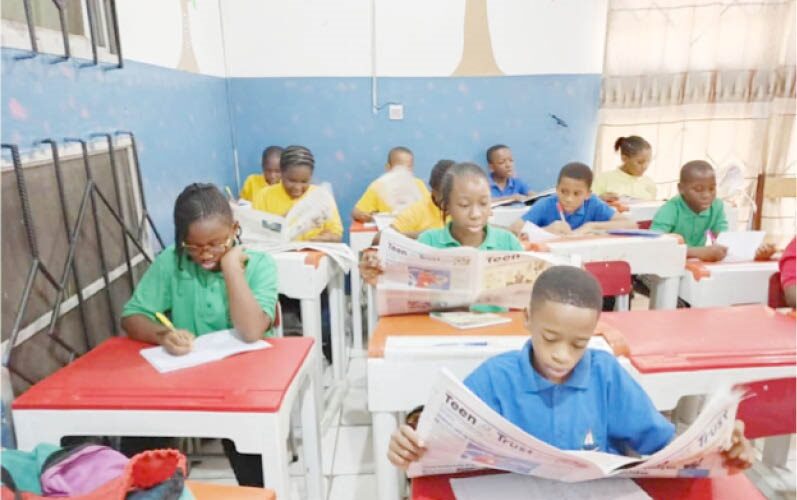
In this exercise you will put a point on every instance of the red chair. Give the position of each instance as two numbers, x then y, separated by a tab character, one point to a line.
644	224
775	298
769	410
614	277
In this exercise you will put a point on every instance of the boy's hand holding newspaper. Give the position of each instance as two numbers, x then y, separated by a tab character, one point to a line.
740	455
405	447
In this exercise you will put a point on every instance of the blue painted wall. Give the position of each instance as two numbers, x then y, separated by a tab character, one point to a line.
456	118
180	119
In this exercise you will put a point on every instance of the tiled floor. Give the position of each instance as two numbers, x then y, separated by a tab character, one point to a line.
348	462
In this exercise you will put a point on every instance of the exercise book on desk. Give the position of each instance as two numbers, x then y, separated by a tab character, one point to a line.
462	346
208	347
519	487
466	320
742	245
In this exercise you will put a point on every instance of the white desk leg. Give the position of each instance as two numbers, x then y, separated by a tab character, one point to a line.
311	326
776	450
373	314
664	295
311	443
387	475
337	326
356	308
29	435
275	461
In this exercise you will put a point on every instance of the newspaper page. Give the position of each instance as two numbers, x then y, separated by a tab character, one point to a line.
398	188
418	278
462	433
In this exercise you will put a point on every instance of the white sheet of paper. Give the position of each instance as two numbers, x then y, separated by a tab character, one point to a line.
207	348
536	234
383	221
520	487
742	245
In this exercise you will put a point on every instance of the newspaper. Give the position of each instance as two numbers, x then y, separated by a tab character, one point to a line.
419	279
462	433
271	233
398	188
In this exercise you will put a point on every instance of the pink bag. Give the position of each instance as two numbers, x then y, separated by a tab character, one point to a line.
81	470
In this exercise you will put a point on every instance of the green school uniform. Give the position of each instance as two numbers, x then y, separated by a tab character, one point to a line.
675	216
494	239
196	299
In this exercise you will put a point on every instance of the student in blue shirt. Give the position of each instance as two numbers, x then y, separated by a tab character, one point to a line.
574	208
562	393
503	183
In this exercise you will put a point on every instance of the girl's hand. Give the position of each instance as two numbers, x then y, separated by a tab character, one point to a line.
369	267
235	258
405	447
178	342
559	227
741	453
765	251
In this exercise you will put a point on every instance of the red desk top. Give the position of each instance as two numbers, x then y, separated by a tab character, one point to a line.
704	339
115	376
736	487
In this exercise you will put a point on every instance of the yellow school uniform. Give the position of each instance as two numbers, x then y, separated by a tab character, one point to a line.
419	216
371	202
275	200
252	185
619	182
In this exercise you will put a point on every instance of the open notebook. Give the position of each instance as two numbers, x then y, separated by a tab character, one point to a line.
208	347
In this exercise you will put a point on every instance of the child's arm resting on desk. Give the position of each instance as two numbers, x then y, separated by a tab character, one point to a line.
252	302
140	327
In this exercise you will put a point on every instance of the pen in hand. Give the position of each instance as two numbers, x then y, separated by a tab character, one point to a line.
178	344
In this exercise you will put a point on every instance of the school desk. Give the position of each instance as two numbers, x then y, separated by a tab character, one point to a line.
360	237
304	275
707	284
113	391
210	491
662	257
734	487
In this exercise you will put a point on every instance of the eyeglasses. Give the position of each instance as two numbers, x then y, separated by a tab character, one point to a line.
217	249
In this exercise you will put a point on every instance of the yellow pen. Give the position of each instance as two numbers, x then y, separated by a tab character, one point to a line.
163	319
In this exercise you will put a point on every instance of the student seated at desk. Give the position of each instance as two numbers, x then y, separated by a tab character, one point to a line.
629	179
788	275
503	183
574	209
696	214
371	202
465	197
270	163
205	282
297	164
424	214
562	393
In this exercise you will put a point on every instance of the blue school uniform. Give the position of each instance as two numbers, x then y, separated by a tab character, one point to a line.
545	212
599	407
513	186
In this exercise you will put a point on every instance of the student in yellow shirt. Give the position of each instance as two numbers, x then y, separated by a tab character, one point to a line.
270	162
629	179
371	202
425	214
297	164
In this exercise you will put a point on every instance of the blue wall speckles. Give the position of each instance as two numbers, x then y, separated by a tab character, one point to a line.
456	118
180	119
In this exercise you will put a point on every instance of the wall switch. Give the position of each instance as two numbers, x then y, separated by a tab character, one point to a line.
396	111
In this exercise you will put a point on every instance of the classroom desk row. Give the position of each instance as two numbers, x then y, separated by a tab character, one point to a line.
704	348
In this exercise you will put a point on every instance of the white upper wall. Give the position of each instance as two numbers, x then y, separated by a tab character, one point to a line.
271	38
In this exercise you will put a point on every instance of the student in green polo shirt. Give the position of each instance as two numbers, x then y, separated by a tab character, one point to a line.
697	214
465	198
205	282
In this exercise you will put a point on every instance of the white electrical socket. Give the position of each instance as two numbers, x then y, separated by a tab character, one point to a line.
396	111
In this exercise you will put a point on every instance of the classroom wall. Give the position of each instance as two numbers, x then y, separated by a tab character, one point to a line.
170	93
469	74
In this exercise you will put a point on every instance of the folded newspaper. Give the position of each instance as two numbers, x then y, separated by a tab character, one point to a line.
271	233
418	278
398	188
462	433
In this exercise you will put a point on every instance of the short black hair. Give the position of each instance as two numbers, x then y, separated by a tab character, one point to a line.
456	170
493	149
691	168
293	156
576	170
271	150
567	285
438	171
631	146
197	201
398	149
